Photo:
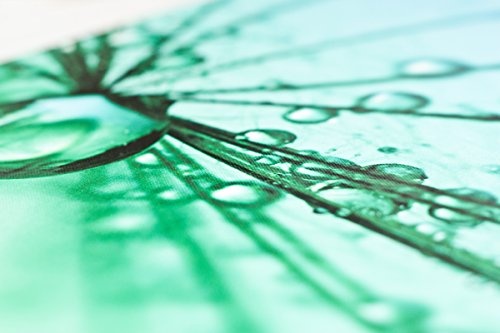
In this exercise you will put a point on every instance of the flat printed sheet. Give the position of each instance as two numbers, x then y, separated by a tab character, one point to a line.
257	166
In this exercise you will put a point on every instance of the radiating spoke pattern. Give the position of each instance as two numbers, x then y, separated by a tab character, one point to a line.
263	166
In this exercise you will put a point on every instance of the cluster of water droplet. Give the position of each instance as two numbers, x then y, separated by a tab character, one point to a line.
463	207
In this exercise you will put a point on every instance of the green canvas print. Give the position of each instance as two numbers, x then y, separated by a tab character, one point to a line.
282	166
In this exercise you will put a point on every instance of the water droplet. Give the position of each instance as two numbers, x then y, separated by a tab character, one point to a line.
440	236
277	85
271	137
428	68
388	150
245	194
115	188
493	169
426	228
309	115
387	314
66	134
309	152
147	160
24	141
378	312
268	159
343	212
320	210
172	195
125	222
332	168
405	172
358	200
392	102
461	218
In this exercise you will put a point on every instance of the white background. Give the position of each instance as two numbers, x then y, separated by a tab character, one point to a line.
29	25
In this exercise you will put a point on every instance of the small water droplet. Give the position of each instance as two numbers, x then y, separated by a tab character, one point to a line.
461	218
125	222
171	195
387	314
343	212
320	210
309	152
392	102
309	115
332	168
268	159
493	169
277	85
440	236
113	189
147	160
388	150
245	194
426	228
271	137
378	313
428	68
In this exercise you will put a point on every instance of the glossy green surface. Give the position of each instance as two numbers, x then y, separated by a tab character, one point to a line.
283	166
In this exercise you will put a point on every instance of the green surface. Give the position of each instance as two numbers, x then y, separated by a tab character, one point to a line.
284	166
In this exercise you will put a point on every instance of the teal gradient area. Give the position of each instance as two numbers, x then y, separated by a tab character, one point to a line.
279	166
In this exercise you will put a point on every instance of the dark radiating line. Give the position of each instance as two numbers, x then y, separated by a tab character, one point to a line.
201	13
289	86
348	306
341	42
200	262
228	28
345	108
283	86
293	156
390	228
197	17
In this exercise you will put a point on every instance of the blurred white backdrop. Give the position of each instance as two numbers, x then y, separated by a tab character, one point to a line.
30	25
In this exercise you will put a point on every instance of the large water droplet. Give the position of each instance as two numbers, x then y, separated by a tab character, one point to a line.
245	194
427	68
309	116
271	137
405	172
471	206
58	135
45	139
392	102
